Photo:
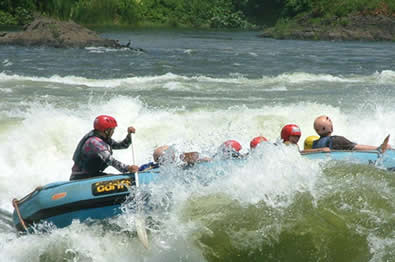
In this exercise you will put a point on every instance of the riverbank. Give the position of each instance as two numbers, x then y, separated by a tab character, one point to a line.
292	19
44	31
353	27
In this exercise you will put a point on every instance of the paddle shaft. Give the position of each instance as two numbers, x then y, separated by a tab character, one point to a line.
139	219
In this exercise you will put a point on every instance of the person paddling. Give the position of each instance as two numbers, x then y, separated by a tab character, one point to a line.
230	149
165	154
161	155
94	151
291	133
256	141
324	128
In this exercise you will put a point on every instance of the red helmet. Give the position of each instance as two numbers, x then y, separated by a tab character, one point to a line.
104	122
232	144
290	130
254	142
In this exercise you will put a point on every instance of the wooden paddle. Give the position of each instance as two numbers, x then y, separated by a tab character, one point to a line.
383	147
139	218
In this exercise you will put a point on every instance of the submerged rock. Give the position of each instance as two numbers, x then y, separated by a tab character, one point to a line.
50	32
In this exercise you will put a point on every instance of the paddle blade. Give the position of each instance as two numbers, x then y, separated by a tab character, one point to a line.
383	146
141	231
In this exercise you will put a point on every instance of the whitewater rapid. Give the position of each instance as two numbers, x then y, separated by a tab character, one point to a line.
193	91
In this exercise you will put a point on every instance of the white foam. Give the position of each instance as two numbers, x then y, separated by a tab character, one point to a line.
256	180
7	63
147	82
100	49
384	77
6	90
188	51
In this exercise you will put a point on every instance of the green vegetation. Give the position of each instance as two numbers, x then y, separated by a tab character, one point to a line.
231	14
339	8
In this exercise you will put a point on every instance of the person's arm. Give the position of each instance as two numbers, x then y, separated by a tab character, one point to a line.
193	157
111	161
126	142
322	149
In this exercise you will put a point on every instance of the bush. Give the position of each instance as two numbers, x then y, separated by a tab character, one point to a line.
106	12
229	20
7	19
23	16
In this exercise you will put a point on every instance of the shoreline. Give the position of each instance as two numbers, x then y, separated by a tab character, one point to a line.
351	28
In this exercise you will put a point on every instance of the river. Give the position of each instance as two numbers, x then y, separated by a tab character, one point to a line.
194	90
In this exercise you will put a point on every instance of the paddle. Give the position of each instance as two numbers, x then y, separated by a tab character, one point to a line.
382	148
139	218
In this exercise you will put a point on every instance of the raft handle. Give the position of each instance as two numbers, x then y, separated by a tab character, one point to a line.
16	202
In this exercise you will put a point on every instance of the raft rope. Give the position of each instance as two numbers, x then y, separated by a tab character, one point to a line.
16	202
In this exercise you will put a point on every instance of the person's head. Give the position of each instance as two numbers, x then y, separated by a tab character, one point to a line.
291	134
323	126
230	149
308	142
163	154
189	157
105	125
256	140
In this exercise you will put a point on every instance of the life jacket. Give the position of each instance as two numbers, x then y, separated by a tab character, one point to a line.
148	166
325	141
92	164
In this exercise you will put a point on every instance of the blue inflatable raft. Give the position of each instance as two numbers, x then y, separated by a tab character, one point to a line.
386	160
60	203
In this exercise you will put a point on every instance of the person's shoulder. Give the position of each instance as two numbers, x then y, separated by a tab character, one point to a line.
96	141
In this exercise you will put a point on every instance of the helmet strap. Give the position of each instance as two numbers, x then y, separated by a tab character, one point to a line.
107	133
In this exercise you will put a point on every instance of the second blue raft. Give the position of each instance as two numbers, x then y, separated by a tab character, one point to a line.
386	160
